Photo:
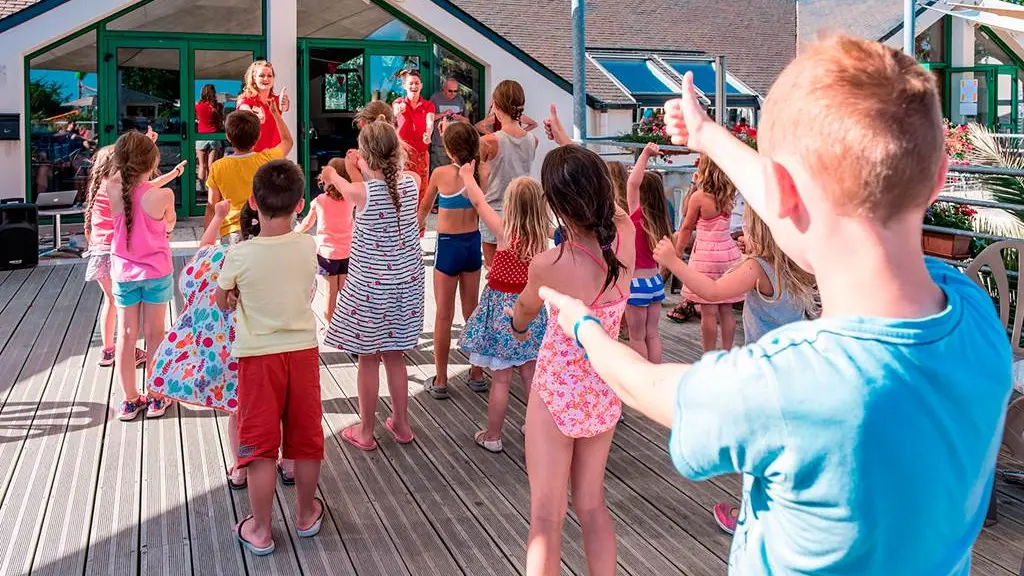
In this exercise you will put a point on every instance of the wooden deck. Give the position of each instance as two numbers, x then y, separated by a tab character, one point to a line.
81	493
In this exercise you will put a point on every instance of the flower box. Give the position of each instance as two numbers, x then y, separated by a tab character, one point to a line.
946	245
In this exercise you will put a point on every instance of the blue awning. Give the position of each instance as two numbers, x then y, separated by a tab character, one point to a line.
704	76
636	75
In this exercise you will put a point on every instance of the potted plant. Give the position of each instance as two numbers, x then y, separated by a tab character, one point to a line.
946	244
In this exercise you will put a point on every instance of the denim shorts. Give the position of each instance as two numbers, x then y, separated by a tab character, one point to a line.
155	291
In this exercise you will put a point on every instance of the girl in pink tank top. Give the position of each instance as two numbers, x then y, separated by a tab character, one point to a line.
571	413
140	262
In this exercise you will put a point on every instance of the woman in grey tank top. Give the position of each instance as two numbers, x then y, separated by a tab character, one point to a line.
509	153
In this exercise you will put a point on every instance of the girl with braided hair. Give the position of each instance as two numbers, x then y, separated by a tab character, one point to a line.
571	413
509	153
140	262
99	227
379	313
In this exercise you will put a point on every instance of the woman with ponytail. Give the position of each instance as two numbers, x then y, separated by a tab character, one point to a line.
379	313
509	153
571	413
457	260
140	262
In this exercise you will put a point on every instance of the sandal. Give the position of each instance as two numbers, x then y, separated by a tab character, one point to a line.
493	446
255	550
436	392
349	437
285	478
391	428
315	528
682	312
479	385
236	485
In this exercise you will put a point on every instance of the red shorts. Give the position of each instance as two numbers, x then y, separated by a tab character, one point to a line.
280	393
418	161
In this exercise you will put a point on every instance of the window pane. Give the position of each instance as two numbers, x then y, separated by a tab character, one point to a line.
343	86
988	52
636	75
352	19
200	16
62	110
218	82
931	44
466	74
148	89
704	77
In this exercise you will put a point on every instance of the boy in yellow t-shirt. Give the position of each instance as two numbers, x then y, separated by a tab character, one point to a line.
231	177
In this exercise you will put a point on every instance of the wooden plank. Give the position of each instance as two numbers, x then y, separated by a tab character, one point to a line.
65	533
12	282
43	407
12	354
28	358
422	549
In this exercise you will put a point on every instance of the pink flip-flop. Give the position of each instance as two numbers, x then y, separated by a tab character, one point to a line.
347	436
391	428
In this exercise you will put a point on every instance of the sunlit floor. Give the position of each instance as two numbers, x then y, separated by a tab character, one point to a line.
81	493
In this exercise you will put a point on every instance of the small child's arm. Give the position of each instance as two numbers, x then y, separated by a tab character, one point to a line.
212	232
227	283
737	282
636	176
170	216
174	174
308	221
527	123
483	209
353	191
689	223
529	303
554	129
428	202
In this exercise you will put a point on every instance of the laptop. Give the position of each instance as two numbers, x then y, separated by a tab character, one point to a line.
52	200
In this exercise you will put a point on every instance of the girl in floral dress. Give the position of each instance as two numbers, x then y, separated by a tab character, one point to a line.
522	233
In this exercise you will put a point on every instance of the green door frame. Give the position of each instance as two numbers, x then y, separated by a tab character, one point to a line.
370	48
186	45
991	73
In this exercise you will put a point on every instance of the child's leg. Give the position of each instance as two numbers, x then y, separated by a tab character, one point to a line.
526	375
127	334
727	319
708	326
497	403
333	285
444	296
398	387
261	477
636	319
548	462
653	333
307	509
469	294
108	324
239	473
368	379
303	437
154	327
589	457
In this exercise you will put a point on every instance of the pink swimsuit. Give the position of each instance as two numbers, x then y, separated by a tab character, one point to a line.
580	402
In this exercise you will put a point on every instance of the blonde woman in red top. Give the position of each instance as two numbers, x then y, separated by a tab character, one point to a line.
414	117
257	94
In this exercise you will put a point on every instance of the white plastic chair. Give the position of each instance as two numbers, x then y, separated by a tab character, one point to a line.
991	259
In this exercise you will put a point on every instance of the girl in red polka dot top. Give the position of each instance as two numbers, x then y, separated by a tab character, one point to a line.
489	337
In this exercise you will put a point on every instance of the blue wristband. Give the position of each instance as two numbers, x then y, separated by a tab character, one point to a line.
576	327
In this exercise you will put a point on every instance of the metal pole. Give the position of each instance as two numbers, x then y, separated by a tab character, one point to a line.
721	114
579	72
909	26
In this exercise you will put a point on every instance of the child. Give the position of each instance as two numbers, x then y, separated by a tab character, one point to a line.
509	153
647	209
268	277
231	176
908	369
332	214
775	292
522	234
140	263
380	308
571	414
457	261
194	363
714	250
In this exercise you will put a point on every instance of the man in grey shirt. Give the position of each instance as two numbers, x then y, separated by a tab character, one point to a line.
451	107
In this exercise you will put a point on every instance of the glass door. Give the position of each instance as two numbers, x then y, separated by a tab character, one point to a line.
384	66
147	81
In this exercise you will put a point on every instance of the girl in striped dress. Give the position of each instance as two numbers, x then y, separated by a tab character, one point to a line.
714	251
379	314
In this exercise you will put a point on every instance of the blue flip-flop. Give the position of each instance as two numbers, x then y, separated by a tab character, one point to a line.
252	548
315	528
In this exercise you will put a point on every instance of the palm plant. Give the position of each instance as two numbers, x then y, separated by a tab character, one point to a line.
989	150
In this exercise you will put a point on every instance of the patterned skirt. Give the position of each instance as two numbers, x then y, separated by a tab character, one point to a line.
488	337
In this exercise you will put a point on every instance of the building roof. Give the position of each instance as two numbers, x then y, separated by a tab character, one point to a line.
758	37
871	19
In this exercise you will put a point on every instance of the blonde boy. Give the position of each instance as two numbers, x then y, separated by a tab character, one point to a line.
867	439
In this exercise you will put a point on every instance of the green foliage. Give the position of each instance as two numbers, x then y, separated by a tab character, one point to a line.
45	98
163	84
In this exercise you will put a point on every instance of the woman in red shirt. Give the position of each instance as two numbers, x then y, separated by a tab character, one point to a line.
209	119
415	119
256	95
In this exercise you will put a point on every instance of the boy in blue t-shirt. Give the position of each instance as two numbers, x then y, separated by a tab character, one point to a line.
833	421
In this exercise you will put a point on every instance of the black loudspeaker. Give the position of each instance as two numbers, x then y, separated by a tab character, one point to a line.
19	234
